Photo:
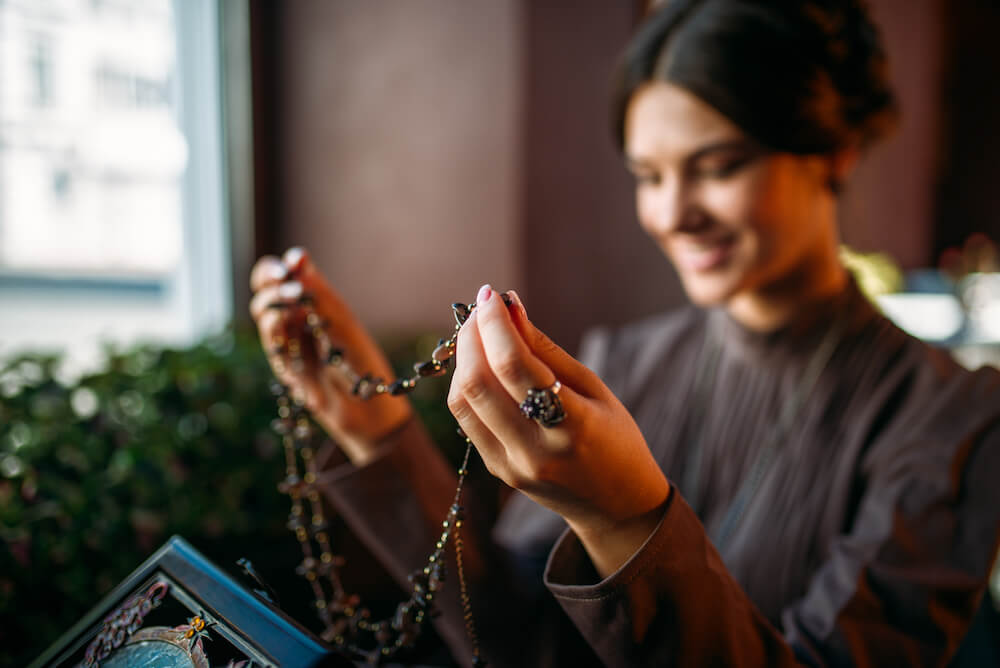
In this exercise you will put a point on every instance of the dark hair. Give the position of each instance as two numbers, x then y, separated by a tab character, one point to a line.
803	76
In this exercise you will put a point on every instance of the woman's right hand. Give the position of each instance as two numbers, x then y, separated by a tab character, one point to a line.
357	425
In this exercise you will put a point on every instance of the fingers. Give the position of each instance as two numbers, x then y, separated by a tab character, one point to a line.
565	367
494	369
477	399
327	303
268	270
511	361
284	295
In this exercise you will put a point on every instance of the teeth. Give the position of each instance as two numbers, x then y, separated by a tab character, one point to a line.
706	245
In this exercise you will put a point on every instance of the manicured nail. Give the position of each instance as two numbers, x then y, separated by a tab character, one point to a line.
484	295
293	257
277	271
515	298
290	290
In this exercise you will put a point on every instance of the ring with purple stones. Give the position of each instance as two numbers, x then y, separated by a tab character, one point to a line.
544	406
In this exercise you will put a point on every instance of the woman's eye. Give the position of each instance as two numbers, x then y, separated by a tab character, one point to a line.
646	178
722	169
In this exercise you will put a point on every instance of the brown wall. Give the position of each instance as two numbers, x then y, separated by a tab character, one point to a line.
587	261
970	102
889	205
400	150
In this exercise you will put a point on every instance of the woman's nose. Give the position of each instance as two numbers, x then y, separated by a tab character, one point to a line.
668	208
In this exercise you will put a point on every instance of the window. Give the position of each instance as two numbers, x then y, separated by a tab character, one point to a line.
112	216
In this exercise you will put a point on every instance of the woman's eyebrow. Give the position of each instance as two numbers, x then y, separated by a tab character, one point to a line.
740	144
721	146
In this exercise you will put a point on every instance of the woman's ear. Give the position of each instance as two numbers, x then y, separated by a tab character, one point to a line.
841	164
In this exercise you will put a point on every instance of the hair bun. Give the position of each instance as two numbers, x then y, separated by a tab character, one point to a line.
857	65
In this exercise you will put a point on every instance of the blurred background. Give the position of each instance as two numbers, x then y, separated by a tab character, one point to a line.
150	150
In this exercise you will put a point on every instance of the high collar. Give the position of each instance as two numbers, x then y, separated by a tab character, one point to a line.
848	311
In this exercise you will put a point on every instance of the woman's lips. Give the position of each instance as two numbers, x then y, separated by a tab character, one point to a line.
704	256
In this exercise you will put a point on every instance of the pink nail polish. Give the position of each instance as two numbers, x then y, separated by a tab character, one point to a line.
293	257
290	290
484	295
279	272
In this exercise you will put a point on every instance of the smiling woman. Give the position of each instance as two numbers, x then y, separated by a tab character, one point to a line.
737	220
775	475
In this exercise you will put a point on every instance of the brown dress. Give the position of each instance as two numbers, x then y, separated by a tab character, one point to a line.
849	472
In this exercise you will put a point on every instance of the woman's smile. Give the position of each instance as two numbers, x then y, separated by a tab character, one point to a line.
732	216
703	254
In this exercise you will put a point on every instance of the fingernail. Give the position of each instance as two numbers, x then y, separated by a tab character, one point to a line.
290	290
293	257
278	271
515	298
484	295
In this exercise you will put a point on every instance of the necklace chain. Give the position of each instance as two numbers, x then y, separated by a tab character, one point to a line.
346	623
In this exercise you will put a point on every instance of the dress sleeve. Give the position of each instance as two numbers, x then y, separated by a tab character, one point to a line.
899	589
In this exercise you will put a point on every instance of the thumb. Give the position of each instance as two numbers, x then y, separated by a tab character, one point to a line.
566	368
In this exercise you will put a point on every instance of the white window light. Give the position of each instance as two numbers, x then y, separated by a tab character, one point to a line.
113	222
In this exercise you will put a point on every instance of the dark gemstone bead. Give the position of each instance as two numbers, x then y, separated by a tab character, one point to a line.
335	356
316	528
402	618
308	565
365	386
401	386
429	368
417	577
443	352
462	312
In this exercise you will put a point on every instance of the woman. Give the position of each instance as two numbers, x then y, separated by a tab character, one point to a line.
776	475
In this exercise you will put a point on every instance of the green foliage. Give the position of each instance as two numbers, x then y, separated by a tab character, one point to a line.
97	474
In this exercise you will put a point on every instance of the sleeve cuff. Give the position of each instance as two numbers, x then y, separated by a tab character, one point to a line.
333	464
570	574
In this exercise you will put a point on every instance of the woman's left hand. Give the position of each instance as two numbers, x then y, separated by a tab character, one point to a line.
594	468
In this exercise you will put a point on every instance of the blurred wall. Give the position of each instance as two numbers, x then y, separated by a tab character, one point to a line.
970	105
889	205
400	151
587	261
426	148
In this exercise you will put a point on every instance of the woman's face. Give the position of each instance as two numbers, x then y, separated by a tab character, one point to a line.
732	217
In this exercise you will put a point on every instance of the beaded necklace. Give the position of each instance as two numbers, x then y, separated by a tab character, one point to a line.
346	623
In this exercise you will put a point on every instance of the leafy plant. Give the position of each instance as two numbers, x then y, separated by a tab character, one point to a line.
97	473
